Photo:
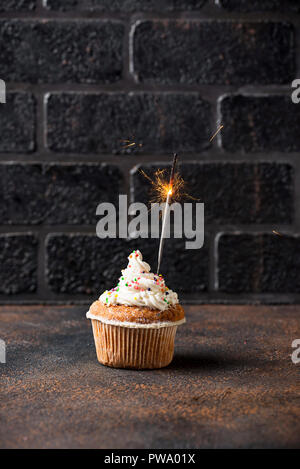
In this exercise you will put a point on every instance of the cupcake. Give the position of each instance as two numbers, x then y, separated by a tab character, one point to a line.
135	323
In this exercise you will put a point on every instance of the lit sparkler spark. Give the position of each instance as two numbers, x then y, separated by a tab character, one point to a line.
216	133
130	143
160	186
277	233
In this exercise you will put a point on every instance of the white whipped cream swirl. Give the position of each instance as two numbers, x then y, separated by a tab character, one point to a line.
139	287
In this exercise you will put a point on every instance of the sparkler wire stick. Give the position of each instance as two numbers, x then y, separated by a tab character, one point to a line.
166	212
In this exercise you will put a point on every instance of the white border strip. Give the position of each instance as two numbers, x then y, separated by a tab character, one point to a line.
134	325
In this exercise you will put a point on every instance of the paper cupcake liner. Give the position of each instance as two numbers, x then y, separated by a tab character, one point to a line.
139	348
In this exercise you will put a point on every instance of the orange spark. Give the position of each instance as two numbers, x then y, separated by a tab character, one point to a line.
160	186
216	133
277	233
130	143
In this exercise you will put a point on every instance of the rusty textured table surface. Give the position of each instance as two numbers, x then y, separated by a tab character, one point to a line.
232	383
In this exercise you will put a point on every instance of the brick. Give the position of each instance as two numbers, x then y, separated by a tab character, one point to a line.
260	5
179	265
18	5
260	124
125	5
18	259
97	123
258	263
17	123
232	192
61	52
55	194
85	264
219	52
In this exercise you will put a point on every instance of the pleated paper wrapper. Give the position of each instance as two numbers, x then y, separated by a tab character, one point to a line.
139	348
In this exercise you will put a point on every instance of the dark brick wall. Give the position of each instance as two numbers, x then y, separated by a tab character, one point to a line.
84	75
161	122
213	53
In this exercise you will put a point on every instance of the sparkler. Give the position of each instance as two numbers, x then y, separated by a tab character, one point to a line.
164	191
166	212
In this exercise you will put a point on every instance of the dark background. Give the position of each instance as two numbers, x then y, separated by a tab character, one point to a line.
83	75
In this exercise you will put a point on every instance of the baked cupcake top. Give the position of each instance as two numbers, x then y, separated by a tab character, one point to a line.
136	316
139	287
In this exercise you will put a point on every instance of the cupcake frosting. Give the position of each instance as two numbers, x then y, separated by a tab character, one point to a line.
139	287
